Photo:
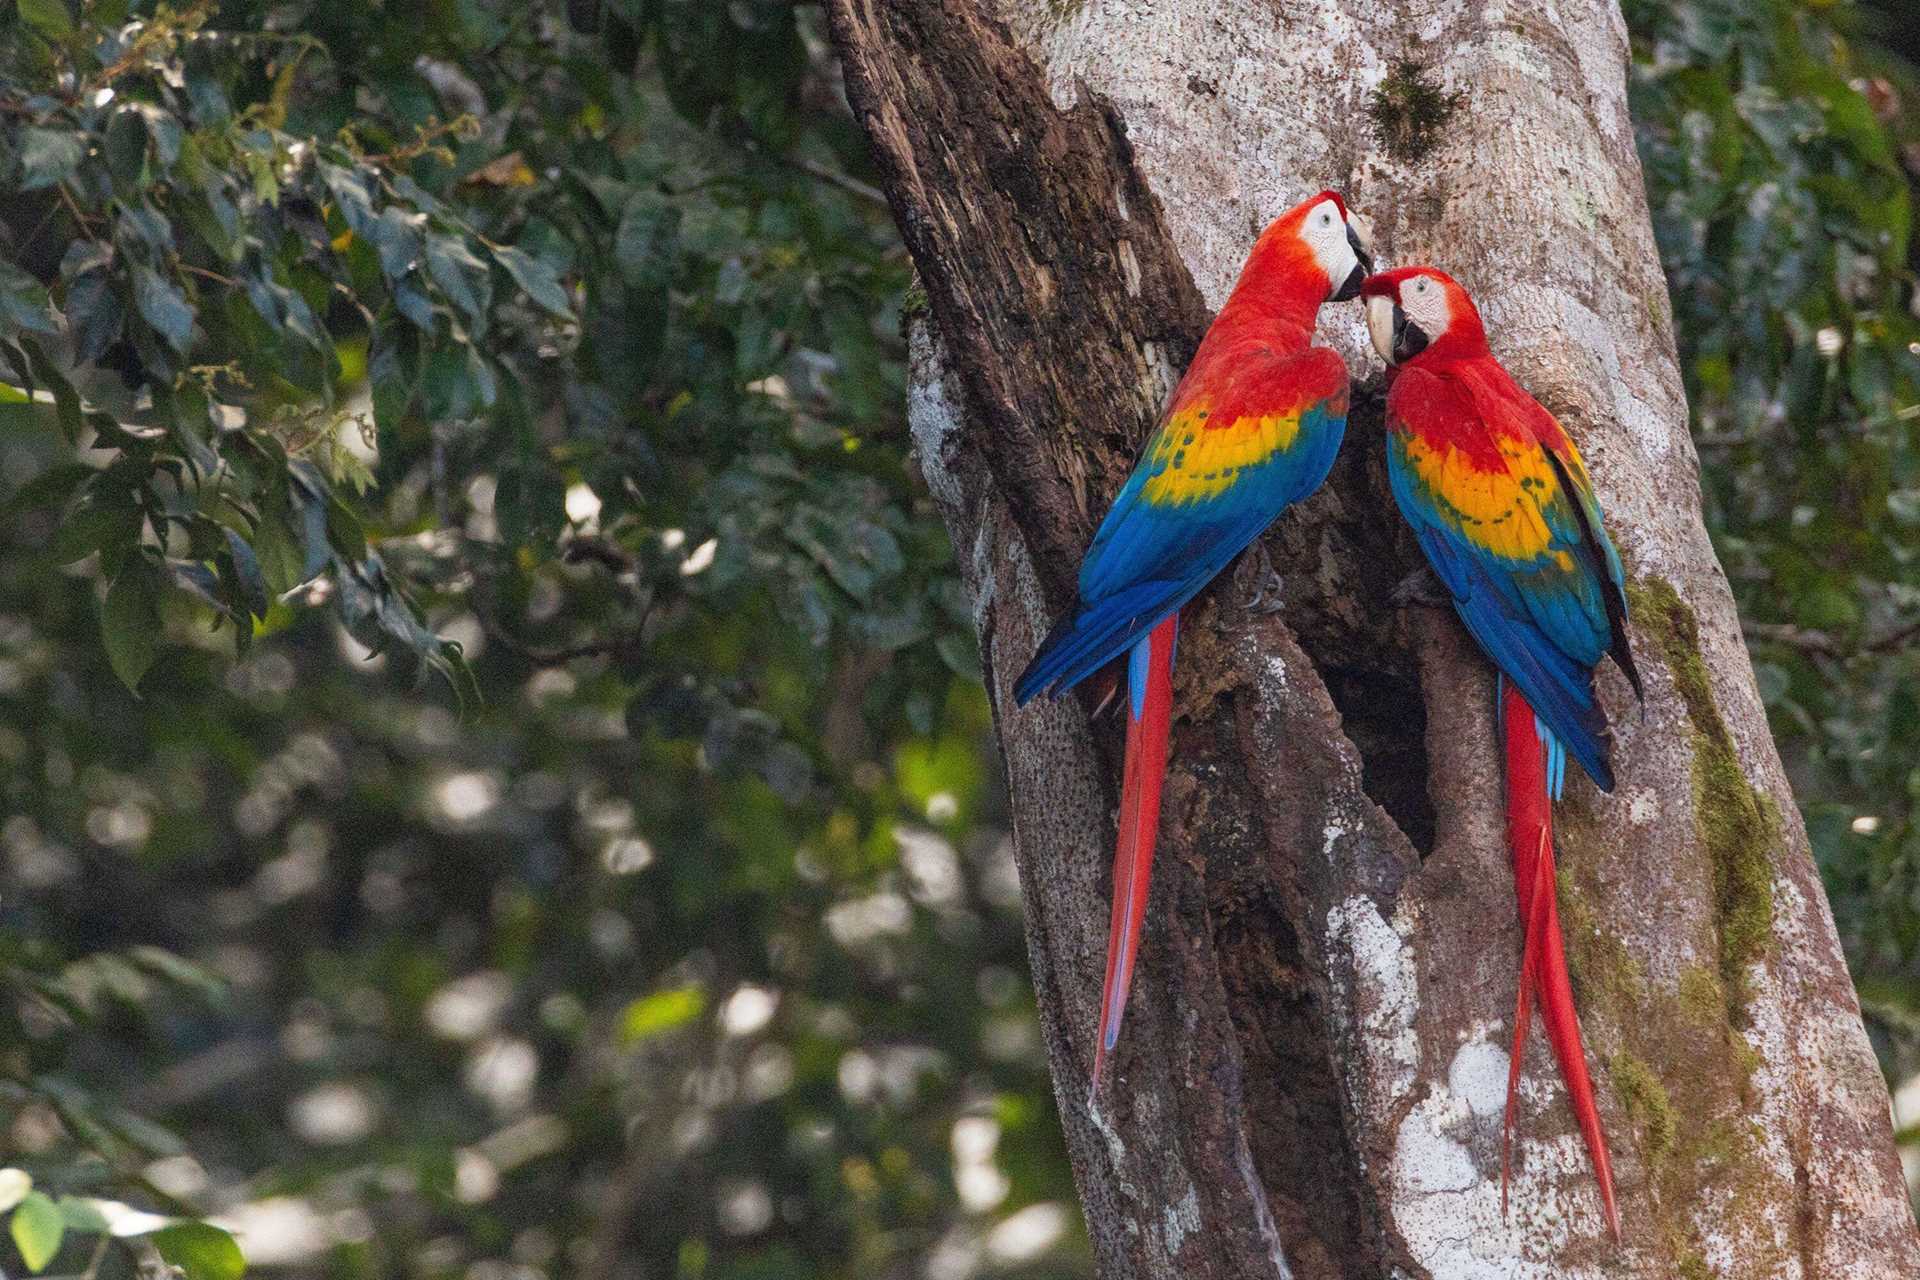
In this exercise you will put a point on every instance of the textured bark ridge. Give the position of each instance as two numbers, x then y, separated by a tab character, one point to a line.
1310	1078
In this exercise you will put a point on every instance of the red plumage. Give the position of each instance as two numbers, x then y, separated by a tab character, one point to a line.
1501	504
1252	428
1543	962
1146	768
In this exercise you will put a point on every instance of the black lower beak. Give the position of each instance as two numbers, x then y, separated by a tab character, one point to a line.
1409	339
1350	287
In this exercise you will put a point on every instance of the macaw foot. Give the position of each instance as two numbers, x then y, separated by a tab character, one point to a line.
1268	590
1420	587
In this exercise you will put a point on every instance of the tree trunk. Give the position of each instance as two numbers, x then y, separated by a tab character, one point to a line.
1310	1079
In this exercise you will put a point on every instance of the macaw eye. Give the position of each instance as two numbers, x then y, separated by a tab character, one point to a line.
1326	219
1420	285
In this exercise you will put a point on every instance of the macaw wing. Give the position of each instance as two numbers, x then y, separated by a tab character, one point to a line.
1571	470
1575	509
1560	691
1232	453
1503	531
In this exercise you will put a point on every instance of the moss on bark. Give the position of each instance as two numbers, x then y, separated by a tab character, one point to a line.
1739	825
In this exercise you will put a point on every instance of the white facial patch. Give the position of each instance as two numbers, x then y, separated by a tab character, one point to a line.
1380	325
1424	300
1325	232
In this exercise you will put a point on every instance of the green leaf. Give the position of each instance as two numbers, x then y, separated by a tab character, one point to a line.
660	1012
202	1251
645	243
202	65
153	228
83	1215
48	156
51	18
960	652
455	269
75	1105
344	530
126	150
247	575
390	370
97	525
536	279
50	488
167	132
412	302
37	1230
65	399
180	971
396	240
153	1139
130	621
218	222
23	303
95	315
351	196
163	306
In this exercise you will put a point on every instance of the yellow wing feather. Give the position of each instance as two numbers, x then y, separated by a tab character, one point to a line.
1497	509
1187	462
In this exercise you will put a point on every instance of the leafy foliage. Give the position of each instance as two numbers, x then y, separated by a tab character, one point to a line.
1781	158
178	259
559	351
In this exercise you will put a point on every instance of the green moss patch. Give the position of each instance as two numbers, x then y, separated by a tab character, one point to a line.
914	306
1411	110
1599	962
1647	1100
1702	995
1738	824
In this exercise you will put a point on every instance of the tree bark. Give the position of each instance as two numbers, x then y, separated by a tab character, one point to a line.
1311	1075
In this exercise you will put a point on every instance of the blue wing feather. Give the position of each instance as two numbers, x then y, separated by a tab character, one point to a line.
1538	627
1147	560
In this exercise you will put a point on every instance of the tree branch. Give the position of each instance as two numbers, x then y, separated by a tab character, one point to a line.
1825	644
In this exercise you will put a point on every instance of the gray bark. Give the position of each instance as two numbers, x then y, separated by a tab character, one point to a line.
1312	1071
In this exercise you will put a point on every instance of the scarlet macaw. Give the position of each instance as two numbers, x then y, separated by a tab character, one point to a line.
1252	427
1501	504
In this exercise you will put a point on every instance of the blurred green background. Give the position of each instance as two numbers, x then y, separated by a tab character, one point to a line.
556	831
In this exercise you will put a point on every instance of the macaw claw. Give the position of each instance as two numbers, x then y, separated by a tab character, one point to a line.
1268	587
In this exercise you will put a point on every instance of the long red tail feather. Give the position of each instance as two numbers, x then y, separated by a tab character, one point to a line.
1523	1008
1543	967
1149	717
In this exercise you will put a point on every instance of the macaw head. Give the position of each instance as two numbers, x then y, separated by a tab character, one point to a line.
1318	239
1421	312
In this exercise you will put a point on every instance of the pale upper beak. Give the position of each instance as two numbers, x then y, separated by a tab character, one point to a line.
1380	325
1360	234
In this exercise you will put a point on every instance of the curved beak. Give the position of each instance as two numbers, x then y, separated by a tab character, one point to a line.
1395	337
1363	261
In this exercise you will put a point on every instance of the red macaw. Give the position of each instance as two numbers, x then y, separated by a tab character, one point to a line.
1501	504
1252	427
